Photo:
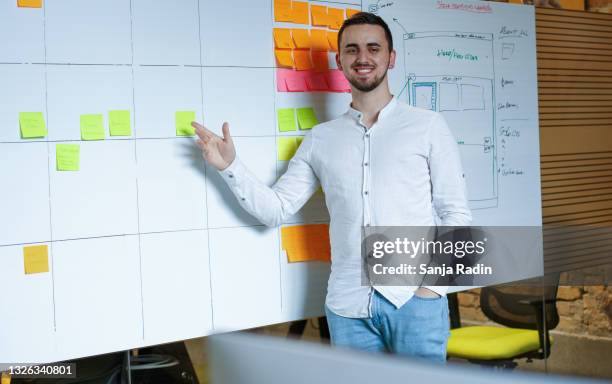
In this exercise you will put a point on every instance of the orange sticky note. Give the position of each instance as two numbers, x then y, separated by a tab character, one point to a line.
335	17
29	3
306	242
36	259
299	12
282	38
284	58
302	59
318	40
350	12
332	40
320	61
282	10
318	15
301	38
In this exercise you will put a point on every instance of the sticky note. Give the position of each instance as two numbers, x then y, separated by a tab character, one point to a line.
284	58
119	123
318	15
318	40
295	82
335	17
320	61
281	84
350	12
282	10
282	38
337	82
36	259
302	59
286	119
332	40
286	148
67	157
32	125
29	3
306	118
316	82
92	127
308	242
301	38
299	12
183	121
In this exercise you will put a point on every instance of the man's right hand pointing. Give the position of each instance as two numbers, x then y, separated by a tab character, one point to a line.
217	151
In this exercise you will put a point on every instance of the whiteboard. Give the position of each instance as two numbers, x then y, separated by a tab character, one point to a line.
146	244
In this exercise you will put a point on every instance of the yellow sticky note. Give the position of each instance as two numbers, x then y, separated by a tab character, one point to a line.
318	15
286	119
92	127
282	10
36	259
286	148
335	17
119	123
306	118
29	3
32	124
350	12
284	58
282	38
299	12
332	39
67	157
301	38
318	40
5	378
183	121
302	60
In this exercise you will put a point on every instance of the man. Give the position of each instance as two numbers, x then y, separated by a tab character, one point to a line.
381	163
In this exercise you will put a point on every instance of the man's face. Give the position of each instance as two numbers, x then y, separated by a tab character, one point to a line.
364	56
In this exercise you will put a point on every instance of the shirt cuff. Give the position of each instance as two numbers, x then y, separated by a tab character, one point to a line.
233	170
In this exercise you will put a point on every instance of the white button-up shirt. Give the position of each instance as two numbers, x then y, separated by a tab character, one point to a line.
403	171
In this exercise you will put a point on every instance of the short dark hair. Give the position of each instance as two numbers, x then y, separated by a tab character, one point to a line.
366	18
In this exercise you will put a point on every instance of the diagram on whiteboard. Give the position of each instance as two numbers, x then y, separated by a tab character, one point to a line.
466	101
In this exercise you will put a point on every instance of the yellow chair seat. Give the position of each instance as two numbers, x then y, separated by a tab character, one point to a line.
491	343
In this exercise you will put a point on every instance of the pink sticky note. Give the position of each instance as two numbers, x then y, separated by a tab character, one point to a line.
295	81
281	85
337	82
316	82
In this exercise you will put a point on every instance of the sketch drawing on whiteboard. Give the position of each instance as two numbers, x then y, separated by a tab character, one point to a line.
466	98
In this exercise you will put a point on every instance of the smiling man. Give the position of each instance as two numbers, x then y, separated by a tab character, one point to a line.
382	163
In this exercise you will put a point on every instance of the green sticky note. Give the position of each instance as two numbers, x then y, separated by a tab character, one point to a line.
306	118
67	157
92	127
286	148
32	125
119	123
286	119
183	121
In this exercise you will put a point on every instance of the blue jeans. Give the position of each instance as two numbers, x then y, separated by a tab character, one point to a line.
420	328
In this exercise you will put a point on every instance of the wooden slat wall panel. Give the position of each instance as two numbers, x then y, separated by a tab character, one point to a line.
575	100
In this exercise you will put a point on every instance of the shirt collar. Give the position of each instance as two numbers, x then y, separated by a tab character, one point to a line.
355	114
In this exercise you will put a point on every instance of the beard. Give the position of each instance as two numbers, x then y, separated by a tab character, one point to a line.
367	87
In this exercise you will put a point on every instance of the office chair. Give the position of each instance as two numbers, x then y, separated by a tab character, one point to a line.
528	312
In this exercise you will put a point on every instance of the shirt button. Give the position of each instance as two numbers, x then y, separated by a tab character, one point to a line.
365	193
230	176
242	198
368	224
365	164
367	135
